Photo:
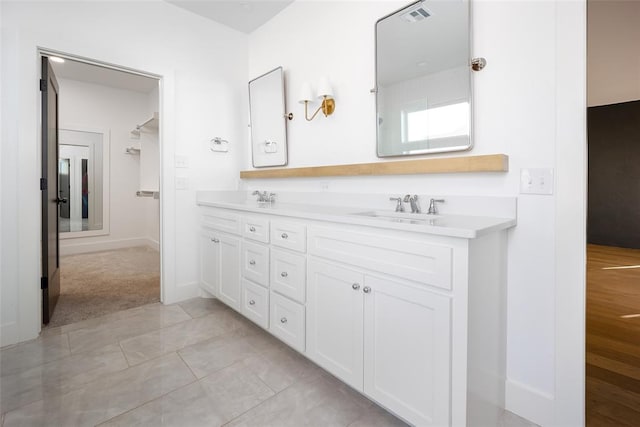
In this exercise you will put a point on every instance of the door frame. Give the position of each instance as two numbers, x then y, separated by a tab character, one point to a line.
42	51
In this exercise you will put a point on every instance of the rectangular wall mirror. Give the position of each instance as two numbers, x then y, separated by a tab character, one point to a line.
83	182
423	79
268	121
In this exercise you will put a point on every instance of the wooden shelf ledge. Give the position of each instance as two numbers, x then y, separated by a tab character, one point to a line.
463	164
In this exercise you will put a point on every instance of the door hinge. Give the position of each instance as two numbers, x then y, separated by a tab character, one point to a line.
43	85
43	183
44	283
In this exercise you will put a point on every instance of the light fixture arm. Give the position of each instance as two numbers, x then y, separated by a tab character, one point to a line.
327	107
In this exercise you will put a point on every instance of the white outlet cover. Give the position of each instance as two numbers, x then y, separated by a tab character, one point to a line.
182	183
536	181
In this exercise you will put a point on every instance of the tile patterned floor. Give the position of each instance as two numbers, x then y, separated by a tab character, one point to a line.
196	363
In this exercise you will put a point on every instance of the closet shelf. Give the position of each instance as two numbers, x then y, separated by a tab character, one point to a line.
152	123
148	193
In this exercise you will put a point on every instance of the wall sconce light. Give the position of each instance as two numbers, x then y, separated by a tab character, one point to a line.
325	92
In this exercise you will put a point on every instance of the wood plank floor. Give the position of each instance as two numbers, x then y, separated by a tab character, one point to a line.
613	337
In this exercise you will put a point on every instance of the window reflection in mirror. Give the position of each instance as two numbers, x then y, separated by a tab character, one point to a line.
423	79
81	181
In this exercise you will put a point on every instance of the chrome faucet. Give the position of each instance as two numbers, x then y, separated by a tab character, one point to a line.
264	196
433	209
399	205
415	208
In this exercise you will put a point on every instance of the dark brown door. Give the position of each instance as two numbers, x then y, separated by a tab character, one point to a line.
50	282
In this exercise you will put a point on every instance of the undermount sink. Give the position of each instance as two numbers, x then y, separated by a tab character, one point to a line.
403	217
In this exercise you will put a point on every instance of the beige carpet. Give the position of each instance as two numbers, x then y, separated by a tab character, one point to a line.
99	283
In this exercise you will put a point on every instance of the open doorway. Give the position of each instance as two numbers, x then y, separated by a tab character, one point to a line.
109	186
613	216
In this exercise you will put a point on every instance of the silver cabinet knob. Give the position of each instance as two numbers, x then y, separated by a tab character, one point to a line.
283	320
252	229
214	240
355	286
252	302
366	289
284	235
252	262
284	274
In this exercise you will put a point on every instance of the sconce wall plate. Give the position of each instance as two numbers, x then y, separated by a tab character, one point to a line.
328	106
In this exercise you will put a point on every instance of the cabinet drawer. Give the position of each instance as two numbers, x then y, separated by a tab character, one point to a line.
288	274
255	262
256	229
289	235
413	259
255	303
287	321
221	220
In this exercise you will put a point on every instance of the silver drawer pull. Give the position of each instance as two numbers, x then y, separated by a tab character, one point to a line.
284	235
252	302
215	240
252	229
284	274
355	286
252	262
366	289
283	320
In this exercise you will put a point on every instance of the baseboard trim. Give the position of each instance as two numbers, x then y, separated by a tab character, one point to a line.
153	244
529	403
8	334
82	248
182	292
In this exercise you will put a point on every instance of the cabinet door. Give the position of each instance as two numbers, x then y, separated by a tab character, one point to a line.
406	350
334	320
229	271
210	263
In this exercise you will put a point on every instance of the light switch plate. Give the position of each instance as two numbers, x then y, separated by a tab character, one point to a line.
182	162
536	181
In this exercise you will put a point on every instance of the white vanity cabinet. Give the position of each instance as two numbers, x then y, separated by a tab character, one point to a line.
220	255
412	319
219	266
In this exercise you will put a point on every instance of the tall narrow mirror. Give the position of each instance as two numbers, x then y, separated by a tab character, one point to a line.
268	122
83	175
423	79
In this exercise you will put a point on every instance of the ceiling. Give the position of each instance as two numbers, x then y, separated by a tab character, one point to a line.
241	15
88	73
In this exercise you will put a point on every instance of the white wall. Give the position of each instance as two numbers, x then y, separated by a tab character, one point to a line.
612	58
203	94
517	107
116	111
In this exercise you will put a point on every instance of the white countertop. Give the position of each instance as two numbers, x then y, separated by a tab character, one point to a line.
465	226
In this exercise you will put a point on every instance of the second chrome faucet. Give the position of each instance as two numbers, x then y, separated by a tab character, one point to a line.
415	207
412	200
